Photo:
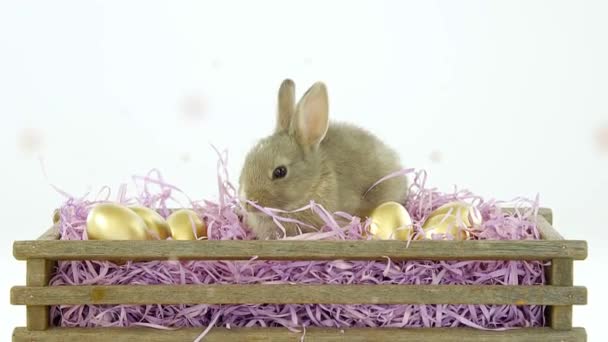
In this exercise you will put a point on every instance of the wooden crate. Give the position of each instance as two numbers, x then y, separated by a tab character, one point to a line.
558	295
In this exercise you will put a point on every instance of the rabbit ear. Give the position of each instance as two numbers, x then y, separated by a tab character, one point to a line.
286	105
312	117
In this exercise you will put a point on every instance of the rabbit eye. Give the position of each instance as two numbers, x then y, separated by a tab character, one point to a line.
279	172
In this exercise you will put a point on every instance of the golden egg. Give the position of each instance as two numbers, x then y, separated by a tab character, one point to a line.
181	225
445	224
470	214
108	221
391	221
156	224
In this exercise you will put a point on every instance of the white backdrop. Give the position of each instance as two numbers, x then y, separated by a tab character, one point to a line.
504	98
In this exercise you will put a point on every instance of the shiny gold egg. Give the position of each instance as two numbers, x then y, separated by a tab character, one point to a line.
445	224
391	221
156	224
470	214
108	221
182	222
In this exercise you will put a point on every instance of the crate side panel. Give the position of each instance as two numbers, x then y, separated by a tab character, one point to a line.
561	274
312	334
301	250
299	294
38	274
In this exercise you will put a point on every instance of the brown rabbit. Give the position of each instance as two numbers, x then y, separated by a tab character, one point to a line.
307	158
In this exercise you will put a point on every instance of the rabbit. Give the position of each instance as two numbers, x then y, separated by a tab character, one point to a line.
308	158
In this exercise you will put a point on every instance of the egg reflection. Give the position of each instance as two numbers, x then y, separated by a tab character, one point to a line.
183	223
391	221
109	221
156	224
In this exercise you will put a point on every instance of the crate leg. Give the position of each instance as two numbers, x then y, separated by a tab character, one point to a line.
38	274
560	274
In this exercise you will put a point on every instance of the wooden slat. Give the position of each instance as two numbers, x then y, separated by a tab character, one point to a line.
56	216
293	294
300	250
547	232
547	213
561	274
311	334
38	274
51	234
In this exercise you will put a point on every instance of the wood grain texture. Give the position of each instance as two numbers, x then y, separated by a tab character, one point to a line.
547	213
312	334
300	250
51	234
561	274
56	216
38	274
547	232
295	294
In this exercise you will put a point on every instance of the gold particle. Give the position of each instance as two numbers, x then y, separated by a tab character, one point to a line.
216	64
185	157
436	156
97	294
30	141
193	107
601	138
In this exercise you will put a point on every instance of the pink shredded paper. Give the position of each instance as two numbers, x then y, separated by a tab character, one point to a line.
224	223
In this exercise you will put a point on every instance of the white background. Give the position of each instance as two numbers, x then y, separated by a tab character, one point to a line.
504	98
